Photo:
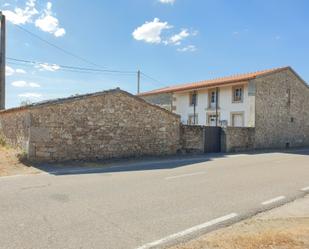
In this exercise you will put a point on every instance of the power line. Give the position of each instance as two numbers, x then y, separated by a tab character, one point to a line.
72	68
69	67
75	69
151	78
57	47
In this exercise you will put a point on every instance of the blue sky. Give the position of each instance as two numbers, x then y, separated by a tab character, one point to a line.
172	41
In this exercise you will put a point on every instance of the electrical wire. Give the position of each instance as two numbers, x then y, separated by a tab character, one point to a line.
21	61
151	78
74	68
57	47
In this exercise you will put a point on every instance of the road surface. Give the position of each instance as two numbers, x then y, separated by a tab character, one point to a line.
145	204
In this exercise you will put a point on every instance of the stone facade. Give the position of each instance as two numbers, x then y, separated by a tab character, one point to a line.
192	138
116	124
281	111
15	128
276	104
111	124
163	100
237	139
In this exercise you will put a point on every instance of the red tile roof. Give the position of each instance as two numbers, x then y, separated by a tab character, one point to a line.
213	82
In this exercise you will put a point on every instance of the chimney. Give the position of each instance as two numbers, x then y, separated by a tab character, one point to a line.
2	62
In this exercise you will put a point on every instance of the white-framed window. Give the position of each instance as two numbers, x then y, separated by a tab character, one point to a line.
237	119
213	119
213	97
192	119
238	94
193	98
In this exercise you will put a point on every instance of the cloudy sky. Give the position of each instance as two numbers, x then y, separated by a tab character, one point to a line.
172	41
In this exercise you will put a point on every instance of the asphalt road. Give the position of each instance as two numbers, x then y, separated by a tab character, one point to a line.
145	204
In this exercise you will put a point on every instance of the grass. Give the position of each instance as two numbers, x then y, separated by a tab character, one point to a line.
13	162
292	233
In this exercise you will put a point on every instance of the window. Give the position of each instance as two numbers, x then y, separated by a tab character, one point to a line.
238	94
213	119
237	119
213	97
193	99
192	120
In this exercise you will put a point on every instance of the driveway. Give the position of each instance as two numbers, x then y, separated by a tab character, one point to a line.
146	204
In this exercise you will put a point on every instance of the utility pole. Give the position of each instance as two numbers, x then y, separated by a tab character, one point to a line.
138	81
2	62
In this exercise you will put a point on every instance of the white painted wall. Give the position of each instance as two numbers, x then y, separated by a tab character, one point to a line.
226	106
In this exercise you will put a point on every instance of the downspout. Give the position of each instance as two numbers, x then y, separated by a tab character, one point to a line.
217	90
194	107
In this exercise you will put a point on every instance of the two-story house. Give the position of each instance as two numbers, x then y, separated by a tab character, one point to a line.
274	103
219	102
227	101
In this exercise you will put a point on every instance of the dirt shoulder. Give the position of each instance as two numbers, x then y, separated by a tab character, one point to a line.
286	227
11	165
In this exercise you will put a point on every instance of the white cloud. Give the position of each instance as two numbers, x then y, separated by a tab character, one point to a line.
22	83
43	19
189	48
59	32
33	84
30	95
22	16
48	67
150	32
177	38
49	23
22	71
167	1
19	83
9	71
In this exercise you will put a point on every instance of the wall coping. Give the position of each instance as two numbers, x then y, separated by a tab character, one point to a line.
81	97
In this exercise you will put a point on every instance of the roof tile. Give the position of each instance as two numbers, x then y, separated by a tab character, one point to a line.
213	82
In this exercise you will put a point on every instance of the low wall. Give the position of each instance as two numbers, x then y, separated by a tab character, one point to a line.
14	128
111	124
192	138
233	139
237	139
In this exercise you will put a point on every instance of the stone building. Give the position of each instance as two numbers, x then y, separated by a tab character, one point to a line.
109	124
275	103
273	106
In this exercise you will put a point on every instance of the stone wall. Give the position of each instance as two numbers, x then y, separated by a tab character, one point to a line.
111	124
237	139
15	127
282	111
192	138
163	100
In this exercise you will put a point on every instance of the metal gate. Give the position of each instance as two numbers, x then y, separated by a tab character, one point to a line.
212	139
